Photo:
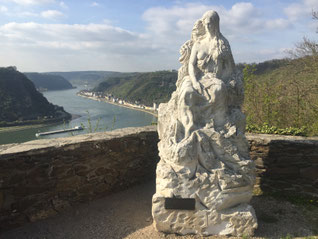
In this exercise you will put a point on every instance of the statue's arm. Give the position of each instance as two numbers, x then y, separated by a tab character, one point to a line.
192	66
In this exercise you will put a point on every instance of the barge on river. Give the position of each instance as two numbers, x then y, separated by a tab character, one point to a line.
76	128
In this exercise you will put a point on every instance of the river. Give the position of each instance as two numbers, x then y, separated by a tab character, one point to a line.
100	115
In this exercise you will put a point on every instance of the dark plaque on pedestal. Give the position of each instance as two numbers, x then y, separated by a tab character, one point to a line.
180	203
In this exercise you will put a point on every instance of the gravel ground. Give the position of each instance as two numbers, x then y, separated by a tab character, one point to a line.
127	214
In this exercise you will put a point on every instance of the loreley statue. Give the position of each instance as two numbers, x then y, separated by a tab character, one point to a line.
205	176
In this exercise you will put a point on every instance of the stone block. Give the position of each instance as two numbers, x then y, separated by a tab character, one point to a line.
8	200
101	171
34	186
60	205
309	173
290	172
67	184
313	159
101	188
69	195
1	200
36	214
11	220
81	170
59	171
259	163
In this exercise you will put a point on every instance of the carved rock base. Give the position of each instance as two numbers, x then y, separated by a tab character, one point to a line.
217	211
236	221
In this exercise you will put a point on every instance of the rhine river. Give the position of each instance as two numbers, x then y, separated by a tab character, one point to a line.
100	115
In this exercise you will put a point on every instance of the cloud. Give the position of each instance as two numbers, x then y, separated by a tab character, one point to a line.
173	25
3	9
242	17
296	11
301	9
278	23
27	14
94	4
311	3
73	37
31	2
63	5
84	46
161	20
51	14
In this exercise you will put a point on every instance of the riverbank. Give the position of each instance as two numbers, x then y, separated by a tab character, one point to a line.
21	127
35	125
130	106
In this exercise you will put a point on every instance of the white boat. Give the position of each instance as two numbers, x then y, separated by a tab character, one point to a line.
76	128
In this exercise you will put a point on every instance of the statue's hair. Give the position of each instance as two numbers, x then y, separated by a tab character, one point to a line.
211	14
198	30
214	16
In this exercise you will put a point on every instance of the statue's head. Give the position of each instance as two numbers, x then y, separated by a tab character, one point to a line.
211	22
198	30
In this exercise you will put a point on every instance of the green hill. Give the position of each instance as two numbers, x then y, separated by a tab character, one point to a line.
145	88
21	103
283	94
45	82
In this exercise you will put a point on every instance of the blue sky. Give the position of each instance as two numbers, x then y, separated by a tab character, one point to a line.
142	35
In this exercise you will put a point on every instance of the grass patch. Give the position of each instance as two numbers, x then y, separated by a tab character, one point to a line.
301	200
288	236
296	199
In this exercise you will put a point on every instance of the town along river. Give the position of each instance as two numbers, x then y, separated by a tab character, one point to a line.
100	115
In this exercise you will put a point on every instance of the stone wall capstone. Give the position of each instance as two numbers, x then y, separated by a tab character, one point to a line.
40	178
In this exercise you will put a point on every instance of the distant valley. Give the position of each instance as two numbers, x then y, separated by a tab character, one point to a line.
89	78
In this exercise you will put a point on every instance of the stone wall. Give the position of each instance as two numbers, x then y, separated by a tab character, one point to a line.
285	163
40	178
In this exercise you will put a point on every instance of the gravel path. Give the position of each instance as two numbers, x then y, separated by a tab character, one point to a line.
127	214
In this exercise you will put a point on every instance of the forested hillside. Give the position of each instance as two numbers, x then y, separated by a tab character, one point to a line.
45	82
145	88
283	97
21	103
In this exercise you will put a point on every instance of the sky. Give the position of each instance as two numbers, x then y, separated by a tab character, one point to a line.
142	35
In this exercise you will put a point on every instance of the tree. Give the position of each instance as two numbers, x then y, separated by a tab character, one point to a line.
307	47
315	15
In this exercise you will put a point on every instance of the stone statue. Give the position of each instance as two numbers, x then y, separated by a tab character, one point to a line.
203	149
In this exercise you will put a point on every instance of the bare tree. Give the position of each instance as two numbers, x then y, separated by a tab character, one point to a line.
315	15
307	47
